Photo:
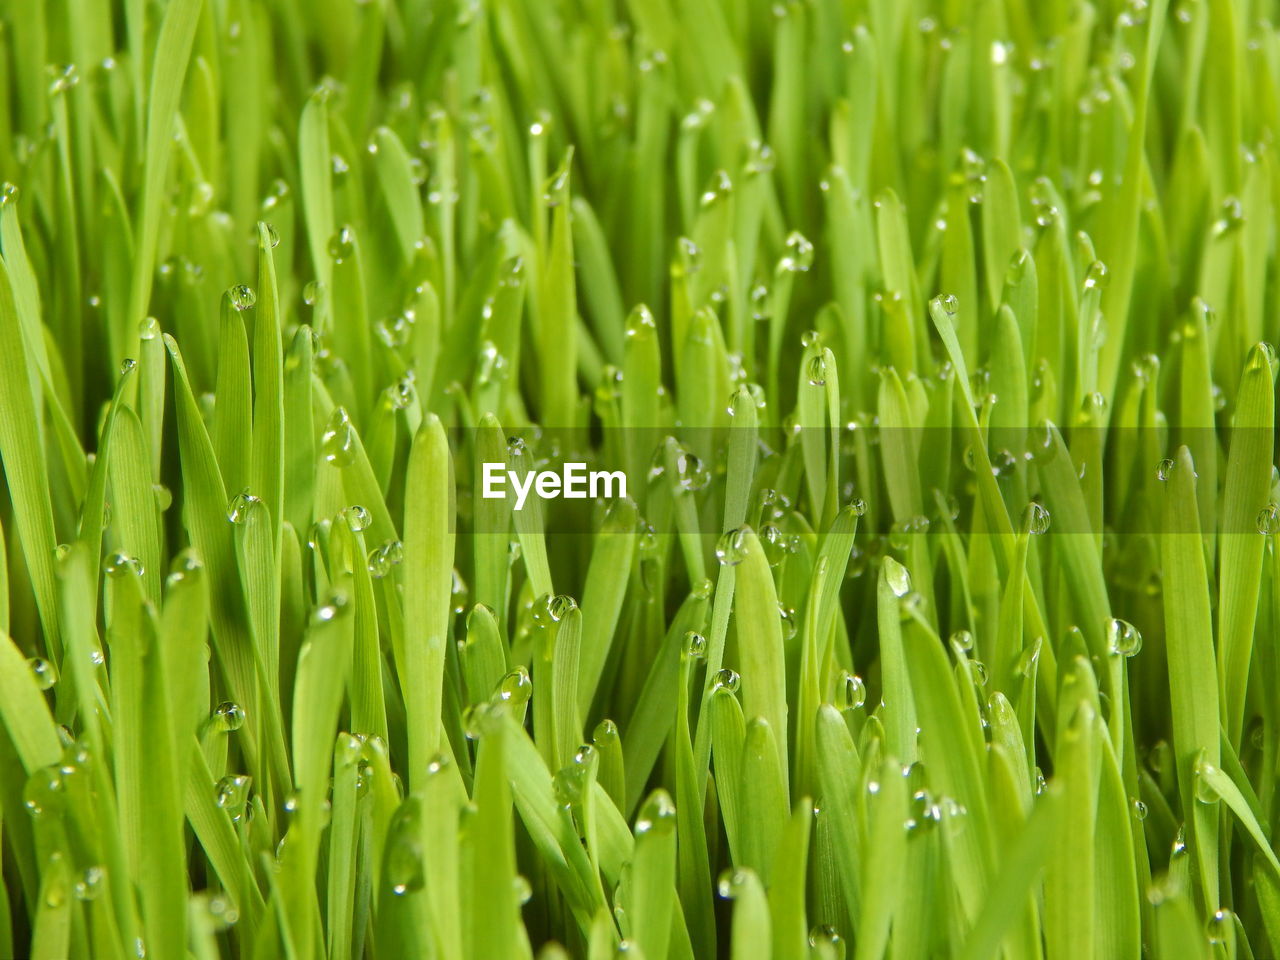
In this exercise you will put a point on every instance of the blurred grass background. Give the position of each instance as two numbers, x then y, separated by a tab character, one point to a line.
934	336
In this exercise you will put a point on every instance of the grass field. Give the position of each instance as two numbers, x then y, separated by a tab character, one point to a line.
941	618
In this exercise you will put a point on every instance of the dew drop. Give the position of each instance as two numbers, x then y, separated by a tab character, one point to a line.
241	505
1036	518
851	691
799	254
242	297
823	935
1269	520
1206	792
691	475
516	688
731	882
1218	927
897	576
695	645
358	518
1164	469
726	679
122	565
342	245
1123	638
1096	276
657	816
338	443
816	370
46	673
383	558
231	793
148	329
90	883
731	548
228	717
332	605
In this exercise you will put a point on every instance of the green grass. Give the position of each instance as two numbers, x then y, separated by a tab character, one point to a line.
942	618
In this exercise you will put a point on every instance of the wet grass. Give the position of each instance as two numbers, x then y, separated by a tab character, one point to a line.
941	618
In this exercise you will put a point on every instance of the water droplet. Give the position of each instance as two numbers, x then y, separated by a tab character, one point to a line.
273	235
777	545
1096	276
338	443
897	576
726	679
122	564
221	912
553	609
731	548
799	255
44	792
657	816
127	366
1164	469
148	329
331	606
787	620
342	245
228	717
384	557
1036	518
963	640
1218	927
1029	658
8	194
731	882
405	870
46	673
688	258
760	158
695	645
90	883
1139	810
1206	792
398	330
1232	217
312	293
231	793
357	517
1123	638
691	475
816	370
851	691
516	688
1269	520
823	935
718	189
241	505
521	888
242	297
950	304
